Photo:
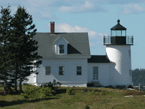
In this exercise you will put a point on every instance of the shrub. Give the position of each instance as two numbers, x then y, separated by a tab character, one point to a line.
90	84
130	86
120	86
51	84
110	86
87	107
44	92
38	92
29	92
70	91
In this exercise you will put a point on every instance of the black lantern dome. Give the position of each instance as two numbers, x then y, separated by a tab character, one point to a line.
118	26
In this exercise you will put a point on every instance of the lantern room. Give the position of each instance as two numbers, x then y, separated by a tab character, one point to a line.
118	30
118	36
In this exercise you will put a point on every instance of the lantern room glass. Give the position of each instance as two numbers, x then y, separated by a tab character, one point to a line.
118	32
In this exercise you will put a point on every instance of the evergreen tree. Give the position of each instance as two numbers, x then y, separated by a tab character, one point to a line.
5	56
24	46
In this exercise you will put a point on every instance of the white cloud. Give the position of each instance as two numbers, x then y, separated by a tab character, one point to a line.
86	7
132	9
94	37
41	3
46	9
77	8
39	9
121	2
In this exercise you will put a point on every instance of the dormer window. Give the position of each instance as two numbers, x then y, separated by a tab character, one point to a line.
61	49
61	46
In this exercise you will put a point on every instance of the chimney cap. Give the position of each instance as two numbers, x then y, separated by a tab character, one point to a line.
52	22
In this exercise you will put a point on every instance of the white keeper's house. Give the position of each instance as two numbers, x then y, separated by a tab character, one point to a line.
67	59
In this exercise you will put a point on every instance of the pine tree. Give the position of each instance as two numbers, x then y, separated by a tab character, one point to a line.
5	57
24	47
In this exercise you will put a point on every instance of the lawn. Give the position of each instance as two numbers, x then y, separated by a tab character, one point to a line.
94	98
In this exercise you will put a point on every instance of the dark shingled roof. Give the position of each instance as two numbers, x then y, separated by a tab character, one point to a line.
118	26
98	59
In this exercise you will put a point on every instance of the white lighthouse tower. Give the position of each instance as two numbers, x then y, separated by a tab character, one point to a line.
118	49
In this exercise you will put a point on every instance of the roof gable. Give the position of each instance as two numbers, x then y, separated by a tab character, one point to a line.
61	40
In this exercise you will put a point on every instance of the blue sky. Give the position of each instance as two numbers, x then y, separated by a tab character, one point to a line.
93	16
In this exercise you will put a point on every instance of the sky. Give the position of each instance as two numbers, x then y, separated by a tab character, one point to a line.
93	16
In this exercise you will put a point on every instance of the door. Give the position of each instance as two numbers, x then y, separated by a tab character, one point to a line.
95	73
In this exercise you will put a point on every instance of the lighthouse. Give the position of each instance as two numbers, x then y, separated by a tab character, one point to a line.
118	51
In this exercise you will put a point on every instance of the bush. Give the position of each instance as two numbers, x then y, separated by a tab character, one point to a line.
87	107
51	84
70	91
90	84
130	86
38	92
110	86
29	92
44	92
120	86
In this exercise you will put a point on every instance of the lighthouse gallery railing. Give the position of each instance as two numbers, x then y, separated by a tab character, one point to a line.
109	39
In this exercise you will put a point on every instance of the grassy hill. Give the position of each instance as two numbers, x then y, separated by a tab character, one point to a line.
79	98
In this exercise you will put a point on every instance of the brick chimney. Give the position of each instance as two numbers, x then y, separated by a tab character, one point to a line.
52	27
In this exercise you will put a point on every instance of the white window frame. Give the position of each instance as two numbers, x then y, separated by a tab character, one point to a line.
47	70
61	71
79	70
61	50
61	41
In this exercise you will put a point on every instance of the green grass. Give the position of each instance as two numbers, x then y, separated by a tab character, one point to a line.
95	98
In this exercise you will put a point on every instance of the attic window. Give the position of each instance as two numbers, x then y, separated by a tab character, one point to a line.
61	49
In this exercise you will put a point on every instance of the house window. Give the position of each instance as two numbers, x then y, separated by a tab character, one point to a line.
61	49
61	70
79	70
47	70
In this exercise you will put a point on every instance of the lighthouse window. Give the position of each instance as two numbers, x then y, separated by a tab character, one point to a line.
118	33
113	33
123	33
